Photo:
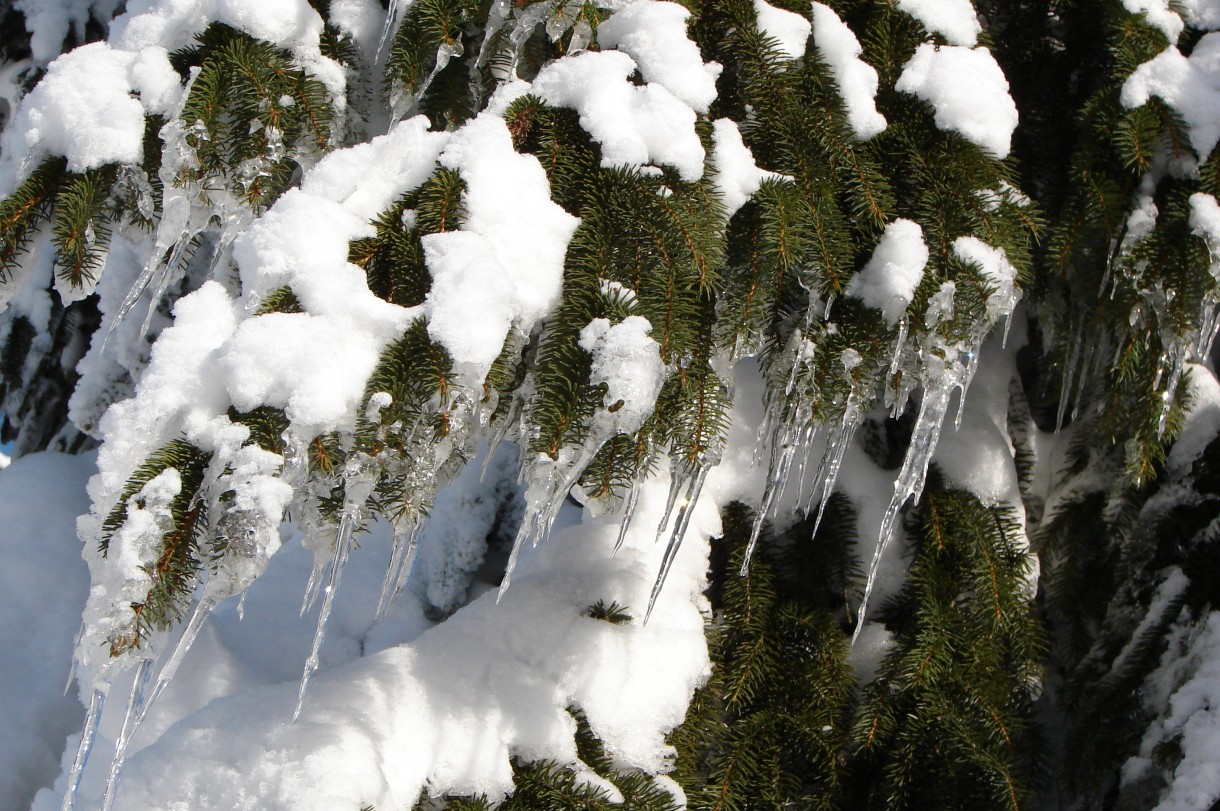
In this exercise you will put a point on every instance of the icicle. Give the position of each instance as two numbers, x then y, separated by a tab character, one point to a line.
832	460
1082	379
346	528
402	562
1177	360
93	717
190	632
135	713
914	471
781	463
387	28
676	483
404	102
526	23
1066	386
545	497
633	499
687	508
359	480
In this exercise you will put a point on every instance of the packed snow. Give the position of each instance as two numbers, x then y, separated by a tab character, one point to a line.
789	30
967	91
1188	84
857	80
1159	14
955	20
888	281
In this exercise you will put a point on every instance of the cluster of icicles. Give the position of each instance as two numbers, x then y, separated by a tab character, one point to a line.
789	429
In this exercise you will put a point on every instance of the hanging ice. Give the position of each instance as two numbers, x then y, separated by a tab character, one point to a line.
359	481
97	701
136	703
686	508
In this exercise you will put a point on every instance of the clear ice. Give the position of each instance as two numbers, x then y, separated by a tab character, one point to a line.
685	510
136	703
97	701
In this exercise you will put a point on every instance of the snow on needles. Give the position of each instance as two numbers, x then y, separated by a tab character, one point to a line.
628	362
968	92
1188	84
887	283
954	20
84	109
654	35
857	79
789	30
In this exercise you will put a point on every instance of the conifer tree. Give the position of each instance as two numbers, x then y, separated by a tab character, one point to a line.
824	390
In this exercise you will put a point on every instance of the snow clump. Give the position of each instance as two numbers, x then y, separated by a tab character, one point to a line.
789	30
856	78
888	282
628	361
968	91
1188	84
954	20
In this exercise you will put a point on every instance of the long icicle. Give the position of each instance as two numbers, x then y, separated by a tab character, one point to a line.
836	447
131	720
97	702
910	480
687	508
342	540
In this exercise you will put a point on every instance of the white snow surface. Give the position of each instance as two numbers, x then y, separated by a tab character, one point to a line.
737	176
628	361
1188	84
856	78
42	590
968	92
1159	15
789	29
955	20
888	282
446	708
654	35
85	110
1202	419
997	271
634	126
1201	14
49	22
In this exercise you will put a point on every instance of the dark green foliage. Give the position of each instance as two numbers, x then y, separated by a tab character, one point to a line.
946	725
173	574
394	257
80	229
613	613
249	109
23	210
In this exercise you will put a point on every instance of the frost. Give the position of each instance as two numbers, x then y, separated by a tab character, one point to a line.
789	30
967	91
887	283
857	80
654	35
1188	84
955	20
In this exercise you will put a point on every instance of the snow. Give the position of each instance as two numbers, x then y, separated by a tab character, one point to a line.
628	362
1205	223
997	272
1201	14
1188	84
856	78
173	24
955	20
888	282
634	126
1202	421
508	254
737	176
654	35
84	109
1159	15
40	495
789	30
968	92
49	22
